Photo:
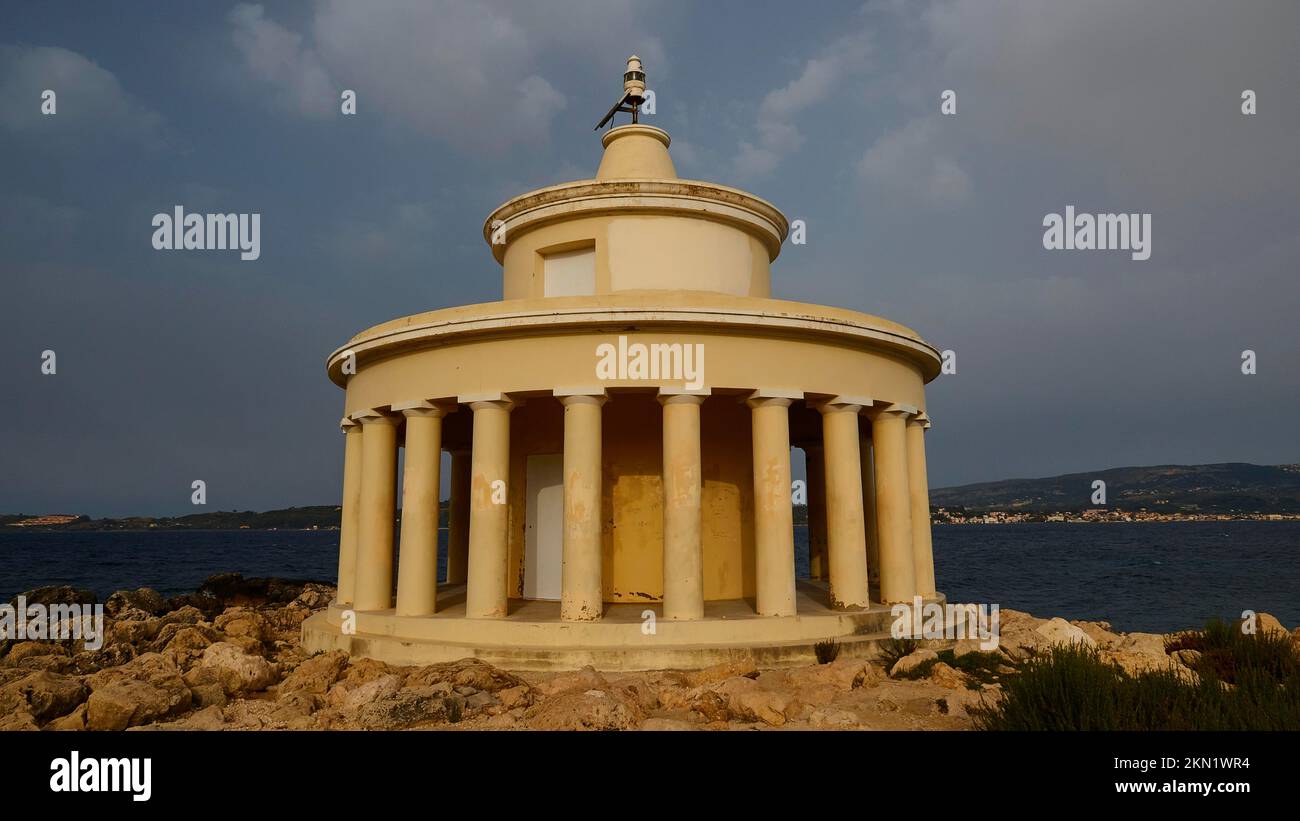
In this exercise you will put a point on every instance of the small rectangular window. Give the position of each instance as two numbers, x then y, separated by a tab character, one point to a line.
569	273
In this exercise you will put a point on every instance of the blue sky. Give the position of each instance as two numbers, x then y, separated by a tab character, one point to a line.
176	366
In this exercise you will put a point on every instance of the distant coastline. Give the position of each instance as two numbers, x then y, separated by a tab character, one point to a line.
1233	491
327	518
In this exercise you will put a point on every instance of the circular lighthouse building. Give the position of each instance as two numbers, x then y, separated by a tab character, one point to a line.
620	428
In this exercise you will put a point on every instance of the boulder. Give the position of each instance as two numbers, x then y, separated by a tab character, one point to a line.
512	697
749	701
964	647
410	707
145	689
208	694
585	679
56	594
73	721
238	621
31	649
44	695
1266	623
127	703
315	675
129	604
575	709
1099	632
356	698
711	706
721	672
946	676
1059	631
911	661
1146	644
236	671
17	720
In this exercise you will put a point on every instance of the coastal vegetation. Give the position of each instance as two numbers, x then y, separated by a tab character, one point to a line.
1225	680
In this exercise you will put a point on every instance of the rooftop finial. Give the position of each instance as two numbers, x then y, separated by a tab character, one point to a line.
633	92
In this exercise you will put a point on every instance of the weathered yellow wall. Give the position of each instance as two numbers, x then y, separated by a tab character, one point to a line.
632	500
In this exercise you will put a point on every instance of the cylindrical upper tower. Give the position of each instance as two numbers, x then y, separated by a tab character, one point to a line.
635	227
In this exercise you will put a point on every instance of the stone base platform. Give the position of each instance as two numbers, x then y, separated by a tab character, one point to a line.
532	636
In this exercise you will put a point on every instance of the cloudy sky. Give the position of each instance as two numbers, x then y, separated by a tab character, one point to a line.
180	366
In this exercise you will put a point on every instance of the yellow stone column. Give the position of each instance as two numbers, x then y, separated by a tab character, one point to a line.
417	557
893	503
351	511
867	451
846	533
489	508
458	518
374	589
773	514
919	494
815	468
683	490
581	591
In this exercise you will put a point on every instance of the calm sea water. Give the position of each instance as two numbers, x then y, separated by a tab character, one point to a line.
1150	577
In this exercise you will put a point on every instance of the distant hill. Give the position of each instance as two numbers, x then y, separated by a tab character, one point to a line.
319	517
1227	488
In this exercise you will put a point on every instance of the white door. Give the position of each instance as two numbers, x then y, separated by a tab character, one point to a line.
544	531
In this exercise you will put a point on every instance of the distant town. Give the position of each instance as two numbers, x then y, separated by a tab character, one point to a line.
949	516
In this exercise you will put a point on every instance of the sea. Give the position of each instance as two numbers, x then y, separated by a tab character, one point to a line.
1150	576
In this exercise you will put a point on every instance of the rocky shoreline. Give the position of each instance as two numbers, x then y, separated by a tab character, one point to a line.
228	657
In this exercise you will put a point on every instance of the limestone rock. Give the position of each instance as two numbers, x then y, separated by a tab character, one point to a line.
238	621
747	700
317	674
127	703
911	661
17	720
208	694
1266	623
512	697
1099	632
1060	631
946	676
1145	644
406	708
1187	658
185	614
1135	663
709	705
834	719
720	672
74	721
57	594
145	689
964	647
575	709
208	718
31	649
129	604
586	679
236	671
374	690
44	695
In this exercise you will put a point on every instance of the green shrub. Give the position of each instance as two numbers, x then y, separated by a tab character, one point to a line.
1242	683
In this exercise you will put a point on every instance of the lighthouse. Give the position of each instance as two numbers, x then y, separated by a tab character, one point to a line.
620	426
